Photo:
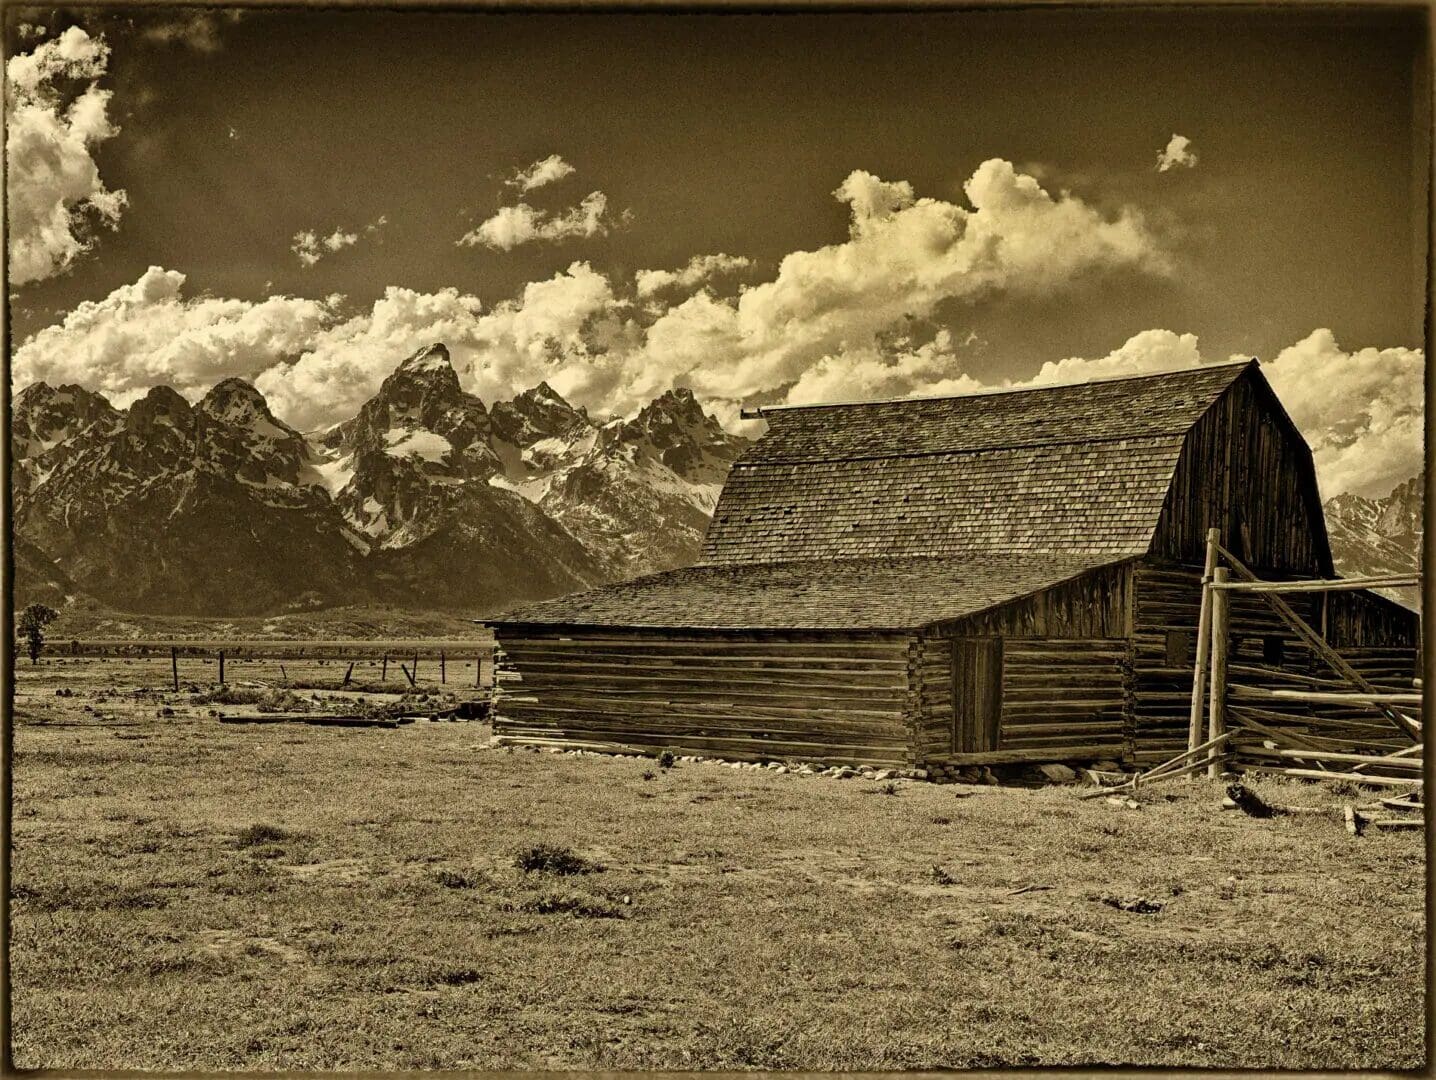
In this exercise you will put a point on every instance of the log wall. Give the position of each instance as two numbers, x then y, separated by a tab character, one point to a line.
832	698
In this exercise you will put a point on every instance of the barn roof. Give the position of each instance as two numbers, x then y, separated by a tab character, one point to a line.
865	594
1073	469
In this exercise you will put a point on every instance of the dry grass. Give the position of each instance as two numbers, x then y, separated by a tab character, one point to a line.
190	896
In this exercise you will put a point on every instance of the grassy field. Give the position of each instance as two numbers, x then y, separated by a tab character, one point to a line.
190	895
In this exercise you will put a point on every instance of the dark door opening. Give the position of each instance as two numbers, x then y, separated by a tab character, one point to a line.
976	694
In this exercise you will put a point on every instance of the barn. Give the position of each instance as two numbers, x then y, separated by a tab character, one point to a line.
992	578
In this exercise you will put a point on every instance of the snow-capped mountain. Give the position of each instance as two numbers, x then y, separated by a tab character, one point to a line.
425	498
1379	536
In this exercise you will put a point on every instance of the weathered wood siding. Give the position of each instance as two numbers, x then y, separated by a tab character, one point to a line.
1168	598
1246	471
815	697
1064	672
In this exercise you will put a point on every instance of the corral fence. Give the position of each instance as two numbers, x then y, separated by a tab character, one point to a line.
455	662
1341	724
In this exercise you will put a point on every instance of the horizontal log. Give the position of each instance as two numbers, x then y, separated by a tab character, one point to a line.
697	728
1090	751
736	694
1038	731
1259	694
1322	585
759	749
700	666
657	644
1314	774
830	755
640	712
1376	761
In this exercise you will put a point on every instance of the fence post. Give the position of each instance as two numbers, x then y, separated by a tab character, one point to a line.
174	666
1204	641
442	670
384	671
221	667
1217	723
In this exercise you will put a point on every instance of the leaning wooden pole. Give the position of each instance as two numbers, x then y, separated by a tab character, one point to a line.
174	666
1204	642
1217	722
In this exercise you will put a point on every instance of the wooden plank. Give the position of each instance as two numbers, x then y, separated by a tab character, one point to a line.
1204	641
1314	774
1258	693
1091	751
1217	695
1323	584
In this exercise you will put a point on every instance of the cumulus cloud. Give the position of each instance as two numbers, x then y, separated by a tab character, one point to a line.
1149	351
520	224
699	269
1361	412
149	333
55	194
547	171
311	247
1177	153
855	318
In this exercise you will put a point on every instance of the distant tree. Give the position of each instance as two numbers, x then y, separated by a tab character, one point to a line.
33	621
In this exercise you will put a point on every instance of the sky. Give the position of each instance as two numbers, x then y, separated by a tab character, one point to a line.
762	208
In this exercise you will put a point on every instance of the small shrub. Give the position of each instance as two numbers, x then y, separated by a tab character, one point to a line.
257	835
452	879
942	877
547	859
942	821
889	788
649	774
667	759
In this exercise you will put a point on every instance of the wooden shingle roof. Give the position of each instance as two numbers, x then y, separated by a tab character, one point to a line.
865	594
1064	470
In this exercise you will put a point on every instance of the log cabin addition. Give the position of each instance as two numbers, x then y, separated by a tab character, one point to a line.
993	578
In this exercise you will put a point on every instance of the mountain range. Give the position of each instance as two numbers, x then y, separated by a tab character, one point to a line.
423	499
1379	536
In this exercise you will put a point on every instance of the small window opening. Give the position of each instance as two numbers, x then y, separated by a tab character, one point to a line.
1273	650
1181	648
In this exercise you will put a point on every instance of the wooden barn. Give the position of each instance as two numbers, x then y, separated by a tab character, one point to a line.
1000	577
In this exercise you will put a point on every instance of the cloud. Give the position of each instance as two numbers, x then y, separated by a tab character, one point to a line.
547	171
311	247
855	318
699	269
1177	153
1361	412
512	226
1149	351
149	333
55	194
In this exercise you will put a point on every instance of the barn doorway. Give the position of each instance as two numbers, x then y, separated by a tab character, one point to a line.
976	693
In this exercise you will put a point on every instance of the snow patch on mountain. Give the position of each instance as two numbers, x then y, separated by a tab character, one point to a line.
426	444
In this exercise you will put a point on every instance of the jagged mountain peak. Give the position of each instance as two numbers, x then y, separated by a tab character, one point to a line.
433	357
239	403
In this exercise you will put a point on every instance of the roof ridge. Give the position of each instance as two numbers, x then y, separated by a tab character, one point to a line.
758	410
948	452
